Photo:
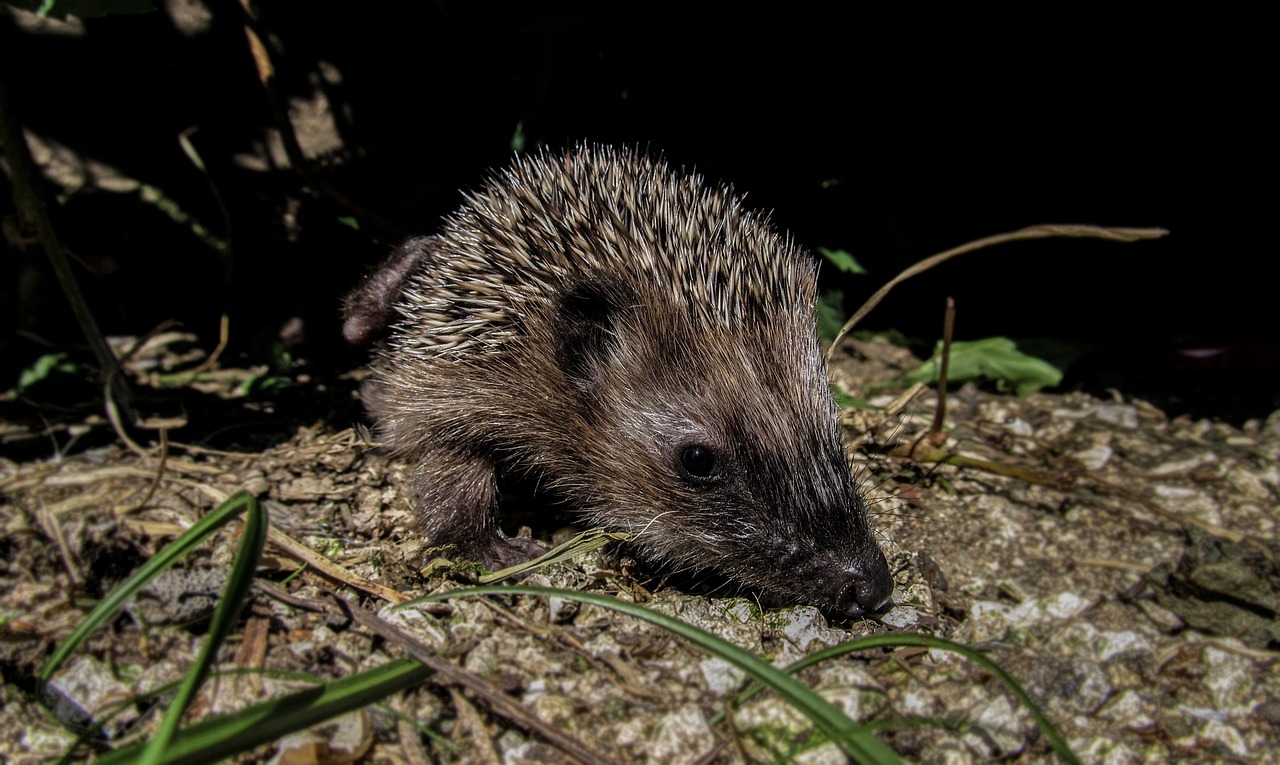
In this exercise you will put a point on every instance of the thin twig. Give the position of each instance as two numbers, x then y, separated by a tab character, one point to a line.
113	416
411	743
53	529
940	412
1032	232
155	482
330	570
1182	519
469	721
224	335
1062	481
496	700
227	254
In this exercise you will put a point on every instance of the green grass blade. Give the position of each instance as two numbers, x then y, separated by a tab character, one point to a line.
172	553
591	539
848	735
217	738
94	732
234	594
900	639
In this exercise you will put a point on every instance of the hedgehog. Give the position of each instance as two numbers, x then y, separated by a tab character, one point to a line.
645	347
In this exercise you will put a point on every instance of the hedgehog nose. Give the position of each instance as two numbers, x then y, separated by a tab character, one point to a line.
865	587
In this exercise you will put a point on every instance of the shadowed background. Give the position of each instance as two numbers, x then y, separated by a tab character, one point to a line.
892	138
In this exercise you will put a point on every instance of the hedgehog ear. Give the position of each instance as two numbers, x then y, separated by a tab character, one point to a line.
586	328
368	310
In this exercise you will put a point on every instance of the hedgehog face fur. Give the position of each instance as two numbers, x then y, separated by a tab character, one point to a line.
644	346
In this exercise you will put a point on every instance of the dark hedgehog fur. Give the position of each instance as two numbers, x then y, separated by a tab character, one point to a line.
643	345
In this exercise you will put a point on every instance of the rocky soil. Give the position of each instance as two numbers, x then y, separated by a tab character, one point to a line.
1121	564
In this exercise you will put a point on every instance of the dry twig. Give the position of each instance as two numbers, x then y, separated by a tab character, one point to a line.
1032	232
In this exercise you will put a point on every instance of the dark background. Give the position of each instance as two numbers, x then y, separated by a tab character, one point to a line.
891	137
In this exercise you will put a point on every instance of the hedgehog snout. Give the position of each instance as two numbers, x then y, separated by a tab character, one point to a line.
863	588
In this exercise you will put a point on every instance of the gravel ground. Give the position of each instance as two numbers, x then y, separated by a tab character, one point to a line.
1119	563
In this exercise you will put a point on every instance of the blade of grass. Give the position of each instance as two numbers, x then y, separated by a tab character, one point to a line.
848	735
216	738
591	539
172	553
900	639
234	595
74	753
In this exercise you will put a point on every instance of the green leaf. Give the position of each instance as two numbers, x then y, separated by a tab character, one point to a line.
842	260
43	368
995	358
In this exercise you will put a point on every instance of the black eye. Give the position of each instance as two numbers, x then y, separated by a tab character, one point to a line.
698	461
